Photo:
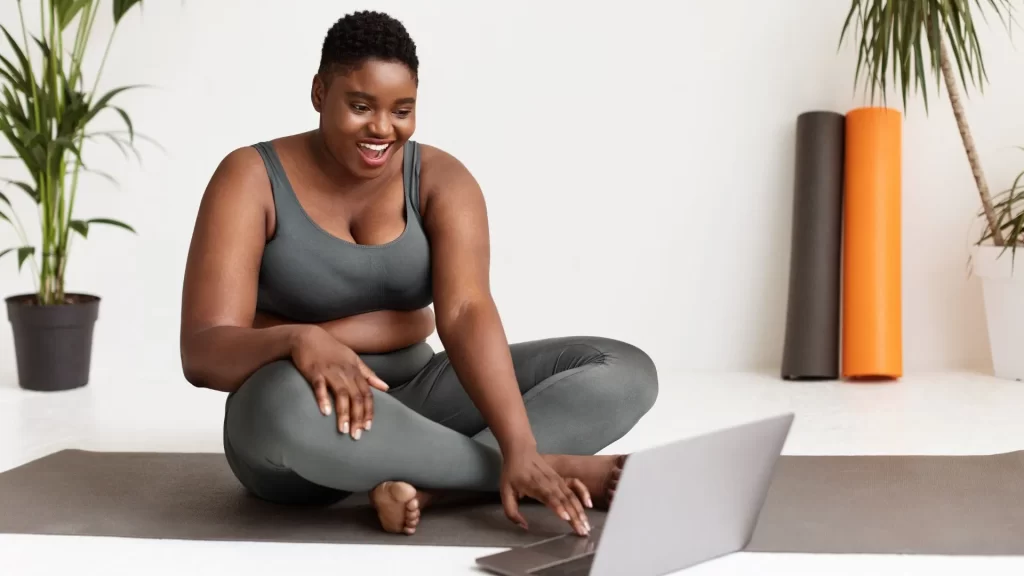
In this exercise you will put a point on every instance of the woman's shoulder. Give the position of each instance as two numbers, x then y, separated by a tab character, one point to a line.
440	170
448	190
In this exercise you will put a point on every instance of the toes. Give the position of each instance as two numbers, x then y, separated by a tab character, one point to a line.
413	505
613	479
412	520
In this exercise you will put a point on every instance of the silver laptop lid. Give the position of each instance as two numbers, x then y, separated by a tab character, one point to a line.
690	501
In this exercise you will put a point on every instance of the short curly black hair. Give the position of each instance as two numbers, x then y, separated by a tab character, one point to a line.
367	35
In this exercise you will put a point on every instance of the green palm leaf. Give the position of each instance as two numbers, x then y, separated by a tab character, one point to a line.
906	45
23	253
46	113
123	6
82	226
895	35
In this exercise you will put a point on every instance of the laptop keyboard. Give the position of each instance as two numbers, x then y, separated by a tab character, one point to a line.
575	567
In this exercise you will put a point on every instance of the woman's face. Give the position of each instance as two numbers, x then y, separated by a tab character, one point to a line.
366	115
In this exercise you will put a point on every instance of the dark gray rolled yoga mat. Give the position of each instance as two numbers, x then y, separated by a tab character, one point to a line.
811	344
946	505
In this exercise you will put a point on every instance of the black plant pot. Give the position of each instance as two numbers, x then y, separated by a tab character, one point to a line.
53	344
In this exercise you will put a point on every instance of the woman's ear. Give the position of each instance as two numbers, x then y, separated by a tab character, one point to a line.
316	94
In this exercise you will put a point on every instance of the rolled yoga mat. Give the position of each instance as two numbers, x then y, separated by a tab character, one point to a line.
811	347
824	504
872	334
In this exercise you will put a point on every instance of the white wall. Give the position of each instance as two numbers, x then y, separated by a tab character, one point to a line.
636	158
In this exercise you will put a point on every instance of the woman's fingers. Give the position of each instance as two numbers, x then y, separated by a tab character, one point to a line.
553	495
580	489
341	404
372	378
565	503
510	502
323	397
367	406
572	505
358	405
575	502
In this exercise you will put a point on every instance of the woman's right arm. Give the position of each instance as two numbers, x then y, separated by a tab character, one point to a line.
375	332
219	347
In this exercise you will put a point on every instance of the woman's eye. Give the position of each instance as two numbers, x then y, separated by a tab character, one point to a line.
360	108
404	113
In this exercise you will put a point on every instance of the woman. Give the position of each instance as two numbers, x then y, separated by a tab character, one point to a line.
313	262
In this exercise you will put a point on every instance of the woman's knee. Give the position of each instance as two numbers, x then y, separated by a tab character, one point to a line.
632	382
276	412
271	406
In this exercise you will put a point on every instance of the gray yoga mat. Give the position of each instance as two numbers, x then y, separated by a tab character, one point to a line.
944	505
816	504
194	496
811	343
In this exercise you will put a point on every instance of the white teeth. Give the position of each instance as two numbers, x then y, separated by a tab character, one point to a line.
376	147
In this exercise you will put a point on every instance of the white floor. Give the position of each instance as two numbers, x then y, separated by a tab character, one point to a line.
922	414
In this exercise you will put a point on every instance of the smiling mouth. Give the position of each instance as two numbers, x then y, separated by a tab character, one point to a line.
373	150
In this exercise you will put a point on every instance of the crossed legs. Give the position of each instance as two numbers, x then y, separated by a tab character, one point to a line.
581	394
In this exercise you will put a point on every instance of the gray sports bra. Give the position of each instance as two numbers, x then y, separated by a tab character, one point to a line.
310	275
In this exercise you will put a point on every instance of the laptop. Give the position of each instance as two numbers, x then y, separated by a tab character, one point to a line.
676	506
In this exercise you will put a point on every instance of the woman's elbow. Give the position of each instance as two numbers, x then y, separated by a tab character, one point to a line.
453	318
192	363
190	368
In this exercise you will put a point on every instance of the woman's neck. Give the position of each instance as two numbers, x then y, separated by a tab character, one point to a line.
326	162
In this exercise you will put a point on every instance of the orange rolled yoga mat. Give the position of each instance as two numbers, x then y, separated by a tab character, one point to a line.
872	332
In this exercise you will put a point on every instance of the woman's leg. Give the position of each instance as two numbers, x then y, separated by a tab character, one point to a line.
280	444
581	393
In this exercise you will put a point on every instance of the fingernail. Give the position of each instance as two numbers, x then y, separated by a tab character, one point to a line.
326	409
357	434
368	423
565	516
344	428
587	525
590	503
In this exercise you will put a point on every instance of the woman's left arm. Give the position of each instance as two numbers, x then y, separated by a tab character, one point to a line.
467	320
468	324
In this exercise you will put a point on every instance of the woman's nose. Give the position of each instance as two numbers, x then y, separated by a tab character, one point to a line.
381	125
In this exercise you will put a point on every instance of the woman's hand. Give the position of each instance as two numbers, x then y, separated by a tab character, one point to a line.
337	373
526	473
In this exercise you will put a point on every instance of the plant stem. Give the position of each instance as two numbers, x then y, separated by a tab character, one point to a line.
66	240
57	47
968	140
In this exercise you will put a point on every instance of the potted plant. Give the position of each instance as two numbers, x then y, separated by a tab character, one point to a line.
908	40
47	107
1003	283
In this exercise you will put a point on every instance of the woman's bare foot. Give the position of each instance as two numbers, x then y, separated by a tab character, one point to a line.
600	474
398	506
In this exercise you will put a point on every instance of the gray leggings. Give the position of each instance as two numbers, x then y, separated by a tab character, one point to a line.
581	394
